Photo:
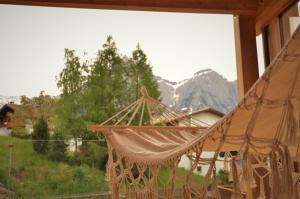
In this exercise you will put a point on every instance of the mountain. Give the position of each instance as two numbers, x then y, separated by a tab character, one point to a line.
8	99
206	88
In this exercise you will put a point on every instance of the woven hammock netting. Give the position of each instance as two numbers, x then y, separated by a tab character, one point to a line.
144	139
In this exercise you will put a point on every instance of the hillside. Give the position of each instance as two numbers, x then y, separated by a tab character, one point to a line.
33	175
206	88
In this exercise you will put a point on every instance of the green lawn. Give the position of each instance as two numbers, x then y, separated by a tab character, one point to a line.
33	175
164	177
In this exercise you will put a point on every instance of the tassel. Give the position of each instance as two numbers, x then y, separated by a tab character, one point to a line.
111	175
115	191
298	118
203	191
297	188
236	182
275	180
186	192
291	126
165	192
186	186
248	177
262	193
128	192
298	155
215	189
287	174
172	189
155	171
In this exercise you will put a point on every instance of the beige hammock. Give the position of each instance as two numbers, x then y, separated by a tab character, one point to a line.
264	128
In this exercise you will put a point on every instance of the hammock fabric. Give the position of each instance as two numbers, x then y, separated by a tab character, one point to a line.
264	128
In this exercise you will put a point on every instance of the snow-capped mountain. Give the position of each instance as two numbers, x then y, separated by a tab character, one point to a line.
206	88
8	99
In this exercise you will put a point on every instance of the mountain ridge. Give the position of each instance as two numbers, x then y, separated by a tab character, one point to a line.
206	88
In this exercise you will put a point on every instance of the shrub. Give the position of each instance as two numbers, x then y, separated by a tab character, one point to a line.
78	174
223	176
91	154
20	133
40	136
58	148
3	175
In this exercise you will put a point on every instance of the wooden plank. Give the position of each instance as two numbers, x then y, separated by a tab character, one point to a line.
245	7
246	53
269	10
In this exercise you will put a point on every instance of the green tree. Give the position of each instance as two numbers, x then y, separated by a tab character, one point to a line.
40	136
70	110
58	147
107	87
34	108
72	78
141	74
92	93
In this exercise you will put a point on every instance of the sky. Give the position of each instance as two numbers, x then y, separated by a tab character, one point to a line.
33	39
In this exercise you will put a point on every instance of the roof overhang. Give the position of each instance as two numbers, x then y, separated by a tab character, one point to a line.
262	10
245	7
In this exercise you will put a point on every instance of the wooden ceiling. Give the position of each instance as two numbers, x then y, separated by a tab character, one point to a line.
261	10
245	7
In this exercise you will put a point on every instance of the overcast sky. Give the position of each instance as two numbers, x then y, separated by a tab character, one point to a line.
32	42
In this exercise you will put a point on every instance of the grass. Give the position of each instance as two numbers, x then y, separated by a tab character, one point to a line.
165	173
29	174
33	175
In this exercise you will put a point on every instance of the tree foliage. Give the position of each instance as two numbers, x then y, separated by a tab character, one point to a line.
141	74
40	136
32	109
70	109
107	88
71	79
58	148
93	91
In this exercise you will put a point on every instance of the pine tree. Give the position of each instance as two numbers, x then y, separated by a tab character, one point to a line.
40	136
141	74
58	147
107	87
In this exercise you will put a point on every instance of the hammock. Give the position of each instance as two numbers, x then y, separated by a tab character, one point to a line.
263	128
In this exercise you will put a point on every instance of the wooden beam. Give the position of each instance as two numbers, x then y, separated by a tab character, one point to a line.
245	7
268	10
246	53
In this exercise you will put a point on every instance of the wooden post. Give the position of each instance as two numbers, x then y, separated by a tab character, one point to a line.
246	53
246	60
